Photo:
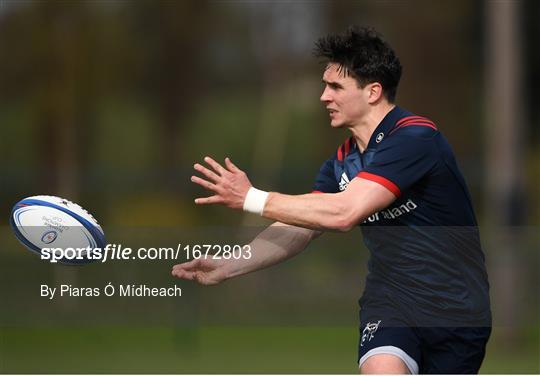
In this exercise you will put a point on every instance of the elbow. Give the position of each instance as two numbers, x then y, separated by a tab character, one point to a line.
343	222
344	225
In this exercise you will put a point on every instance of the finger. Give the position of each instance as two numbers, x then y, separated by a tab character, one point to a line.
187	265
197	277
216	199
204	183
231	166
206	172
216	166
183	274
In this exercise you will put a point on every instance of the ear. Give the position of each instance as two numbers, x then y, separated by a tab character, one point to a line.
375	92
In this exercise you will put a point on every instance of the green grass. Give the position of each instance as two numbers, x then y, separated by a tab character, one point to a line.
212	349
170	350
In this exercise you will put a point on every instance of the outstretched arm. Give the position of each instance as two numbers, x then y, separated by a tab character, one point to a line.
336	211
275	244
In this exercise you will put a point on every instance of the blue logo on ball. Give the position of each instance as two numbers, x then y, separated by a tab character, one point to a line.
49	237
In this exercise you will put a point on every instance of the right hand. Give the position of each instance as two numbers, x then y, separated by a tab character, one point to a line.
229	184
204	271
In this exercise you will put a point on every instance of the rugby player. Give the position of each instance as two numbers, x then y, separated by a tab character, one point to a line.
425	307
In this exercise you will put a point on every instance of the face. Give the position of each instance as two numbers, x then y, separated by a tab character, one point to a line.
346	102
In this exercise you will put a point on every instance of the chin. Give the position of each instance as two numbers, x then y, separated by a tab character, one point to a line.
335	124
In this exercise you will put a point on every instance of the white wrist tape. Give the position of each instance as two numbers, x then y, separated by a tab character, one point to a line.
255	200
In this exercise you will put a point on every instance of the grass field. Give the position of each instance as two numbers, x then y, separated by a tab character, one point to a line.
212	350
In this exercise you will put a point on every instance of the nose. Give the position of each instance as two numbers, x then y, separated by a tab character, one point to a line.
325	96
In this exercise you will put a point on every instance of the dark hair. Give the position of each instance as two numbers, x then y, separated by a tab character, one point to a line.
363	54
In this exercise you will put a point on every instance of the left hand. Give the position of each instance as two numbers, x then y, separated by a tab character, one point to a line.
229	183
204	271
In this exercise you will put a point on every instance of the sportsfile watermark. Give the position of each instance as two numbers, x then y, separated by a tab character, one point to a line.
121	253
324	281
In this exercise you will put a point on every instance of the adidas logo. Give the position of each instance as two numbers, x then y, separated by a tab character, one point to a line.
344	182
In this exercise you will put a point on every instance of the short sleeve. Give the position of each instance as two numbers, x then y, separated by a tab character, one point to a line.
326	180
400	162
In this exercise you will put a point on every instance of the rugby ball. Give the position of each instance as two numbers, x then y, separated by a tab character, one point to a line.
42	223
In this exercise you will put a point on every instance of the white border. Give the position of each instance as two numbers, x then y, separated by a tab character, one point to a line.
392	350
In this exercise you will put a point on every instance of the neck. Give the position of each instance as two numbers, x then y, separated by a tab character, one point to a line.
363	130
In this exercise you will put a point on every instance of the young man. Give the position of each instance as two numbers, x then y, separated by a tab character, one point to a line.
425	308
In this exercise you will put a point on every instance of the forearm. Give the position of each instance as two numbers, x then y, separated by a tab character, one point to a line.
316	211
275	244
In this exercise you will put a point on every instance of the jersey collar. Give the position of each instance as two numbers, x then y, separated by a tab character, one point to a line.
385	126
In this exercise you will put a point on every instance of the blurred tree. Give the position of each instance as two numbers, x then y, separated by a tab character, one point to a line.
504	133
50	51
170	36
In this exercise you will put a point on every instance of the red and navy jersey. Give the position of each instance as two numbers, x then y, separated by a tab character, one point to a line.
426	260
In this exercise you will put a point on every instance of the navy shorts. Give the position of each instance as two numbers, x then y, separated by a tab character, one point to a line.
458	350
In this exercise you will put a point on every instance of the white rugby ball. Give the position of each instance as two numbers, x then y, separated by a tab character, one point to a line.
55	223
